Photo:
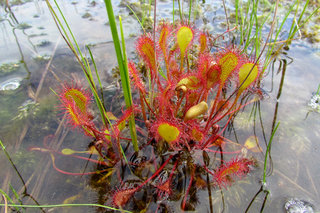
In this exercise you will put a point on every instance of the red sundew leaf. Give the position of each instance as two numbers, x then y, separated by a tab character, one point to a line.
208	71
75	96
197	134
165	31
165	187
125	116
184	39
227	173
145	48
174	70
248	73
192	98
203	42
169	131
205	61
75	102
163	103
121	197
191	82
219	142
229	61
137	81
213	76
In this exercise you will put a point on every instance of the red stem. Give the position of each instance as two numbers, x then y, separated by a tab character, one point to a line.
188	189
155	174
144	98
73	173
216	136
221	152
213	108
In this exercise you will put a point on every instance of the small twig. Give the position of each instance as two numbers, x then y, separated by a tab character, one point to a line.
225	11
294	183
312	182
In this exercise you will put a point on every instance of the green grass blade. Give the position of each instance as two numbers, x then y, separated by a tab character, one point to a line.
237	11
190	6
278	32
180	11
125	78
96	71
295	15
302	13
135	15
9	199
173	12
253	12
299	24
15	193
267	154
306	20
123	71
11	162
67	205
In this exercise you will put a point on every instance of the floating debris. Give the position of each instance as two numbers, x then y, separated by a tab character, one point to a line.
314	103
86	15
295	205
41	58
44	43
24	26
7	68
29	107
10	84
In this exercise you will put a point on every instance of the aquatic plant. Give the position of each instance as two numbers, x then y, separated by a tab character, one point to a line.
184	109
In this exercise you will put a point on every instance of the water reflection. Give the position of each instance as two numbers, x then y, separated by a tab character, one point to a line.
10	84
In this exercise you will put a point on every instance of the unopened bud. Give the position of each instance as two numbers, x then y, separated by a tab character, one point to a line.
196	110
182	88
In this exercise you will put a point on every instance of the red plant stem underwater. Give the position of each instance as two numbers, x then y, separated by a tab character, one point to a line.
118	200
188	189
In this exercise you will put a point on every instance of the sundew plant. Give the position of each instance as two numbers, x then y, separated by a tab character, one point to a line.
181	92
182	112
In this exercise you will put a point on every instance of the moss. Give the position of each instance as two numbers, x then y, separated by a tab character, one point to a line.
44	43
86	15
24	26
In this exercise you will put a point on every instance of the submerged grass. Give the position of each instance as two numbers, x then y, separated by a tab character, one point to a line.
263	188
267	154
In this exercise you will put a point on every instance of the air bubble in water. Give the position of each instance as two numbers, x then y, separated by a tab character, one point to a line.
295	205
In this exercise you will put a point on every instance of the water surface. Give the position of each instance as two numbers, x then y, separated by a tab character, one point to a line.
28	116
